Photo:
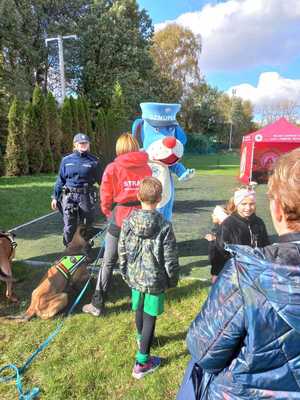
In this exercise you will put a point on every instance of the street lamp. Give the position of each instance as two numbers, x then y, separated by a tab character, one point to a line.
60	39
231	120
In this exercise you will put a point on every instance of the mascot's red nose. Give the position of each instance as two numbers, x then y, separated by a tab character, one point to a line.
169	142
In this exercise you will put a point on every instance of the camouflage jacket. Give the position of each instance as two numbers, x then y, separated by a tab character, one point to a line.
148	252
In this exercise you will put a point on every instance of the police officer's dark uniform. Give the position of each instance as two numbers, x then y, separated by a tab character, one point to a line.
74	189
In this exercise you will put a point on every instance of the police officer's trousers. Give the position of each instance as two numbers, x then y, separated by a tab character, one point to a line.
77	208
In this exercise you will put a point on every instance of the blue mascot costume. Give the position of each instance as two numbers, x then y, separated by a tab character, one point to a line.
163	139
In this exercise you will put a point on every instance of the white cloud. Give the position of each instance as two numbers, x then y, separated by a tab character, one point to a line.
240	34
271	88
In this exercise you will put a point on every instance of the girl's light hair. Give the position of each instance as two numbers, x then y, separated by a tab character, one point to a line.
284	185
126	143
230	207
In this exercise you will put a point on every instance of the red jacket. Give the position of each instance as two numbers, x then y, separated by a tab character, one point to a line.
120	183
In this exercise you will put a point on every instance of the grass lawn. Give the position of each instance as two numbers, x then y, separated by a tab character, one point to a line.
225	163
24	198
92	358
28	197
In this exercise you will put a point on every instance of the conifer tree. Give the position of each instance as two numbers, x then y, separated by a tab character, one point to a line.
2	168
32	137
101	136
89	128
66	127
16	161
116	120
41	121
82	122
74	111
54	130
118	107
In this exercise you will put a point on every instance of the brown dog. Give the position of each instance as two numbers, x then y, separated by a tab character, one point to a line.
51	295
7	252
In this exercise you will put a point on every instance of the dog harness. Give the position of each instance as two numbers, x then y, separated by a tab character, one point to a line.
67	265
10	238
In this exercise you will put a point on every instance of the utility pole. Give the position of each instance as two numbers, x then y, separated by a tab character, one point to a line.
231	120
60	39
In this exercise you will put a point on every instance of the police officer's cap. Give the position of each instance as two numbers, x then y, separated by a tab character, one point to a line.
81	138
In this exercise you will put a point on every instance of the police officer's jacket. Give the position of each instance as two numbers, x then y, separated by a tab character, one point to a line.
246	338
77	170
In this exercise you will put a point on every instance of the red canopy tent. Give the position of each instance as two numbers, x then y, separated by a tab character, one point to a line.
260	149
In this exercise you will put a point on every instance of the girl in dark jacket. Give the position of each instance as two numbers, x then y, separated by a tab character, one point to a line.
245	341
243	226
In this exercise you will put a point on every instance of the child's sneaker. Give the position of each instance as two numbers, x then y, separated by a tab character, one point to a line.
140	370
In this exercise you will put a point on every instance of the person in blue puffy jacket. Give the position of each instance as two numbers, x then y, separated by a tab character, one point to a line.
245	341
74	191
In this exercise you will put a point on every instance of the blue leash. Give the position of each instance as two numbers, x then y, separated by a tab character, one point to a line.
33	393
18	372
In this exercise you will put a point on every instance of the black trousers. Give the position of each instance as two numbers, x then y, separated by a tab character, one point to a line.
145	325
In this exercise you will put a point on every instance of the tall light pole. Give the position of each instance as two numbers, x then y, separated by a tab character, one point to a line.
60	39
231	120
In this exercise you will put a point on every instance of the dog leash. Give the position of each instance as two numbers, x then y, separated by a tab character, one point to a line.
18	372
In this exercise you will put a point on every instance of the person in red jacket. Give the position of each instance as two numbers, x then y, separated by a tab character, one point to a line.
118	194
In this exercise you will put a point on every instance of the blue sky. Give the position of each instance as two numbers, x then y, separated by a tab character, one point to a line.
250	45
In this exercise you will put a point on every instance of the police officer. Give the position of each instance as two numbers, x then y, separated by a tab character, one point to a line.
74	193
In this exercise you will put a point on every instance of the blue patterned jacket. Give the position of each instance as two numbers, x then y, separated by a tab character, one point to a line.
246	338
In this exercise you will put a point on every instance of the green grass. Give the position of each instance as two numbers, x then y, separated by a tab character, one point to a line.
92	358
214	164
28	197
24	198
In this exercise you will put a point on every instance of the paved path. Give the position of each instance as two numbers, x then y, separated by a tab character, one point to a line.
41	242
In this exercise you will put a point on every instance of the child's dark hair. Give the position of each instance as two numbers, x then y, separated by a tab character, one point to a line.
150	190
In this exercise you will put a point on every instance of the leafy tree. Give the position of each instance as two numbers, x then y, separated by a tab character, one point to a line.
200	110
24	26
211	112
272	111
115	40
32	136
66	127
54	129
176	52
16	157
242	119
41	122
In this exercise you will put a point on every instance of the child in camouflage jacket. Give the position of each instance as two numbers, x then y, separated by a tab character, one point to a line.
149	264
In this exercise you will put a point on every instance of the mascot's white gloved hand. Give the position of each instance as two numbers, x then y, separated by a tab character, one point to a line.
188	174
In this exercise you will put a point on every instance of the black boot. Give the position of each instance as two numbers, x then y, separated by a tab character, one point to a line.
98	300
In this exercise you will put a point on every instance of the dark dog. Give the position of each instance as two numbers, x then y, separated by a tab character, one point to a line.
7	252
52	293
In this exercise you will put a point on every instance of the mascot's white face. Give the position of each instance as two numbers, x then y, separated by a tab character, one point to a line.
166	150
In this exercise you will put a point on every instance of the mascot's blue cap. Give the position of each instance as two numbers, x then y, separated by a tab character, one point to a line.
160	114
